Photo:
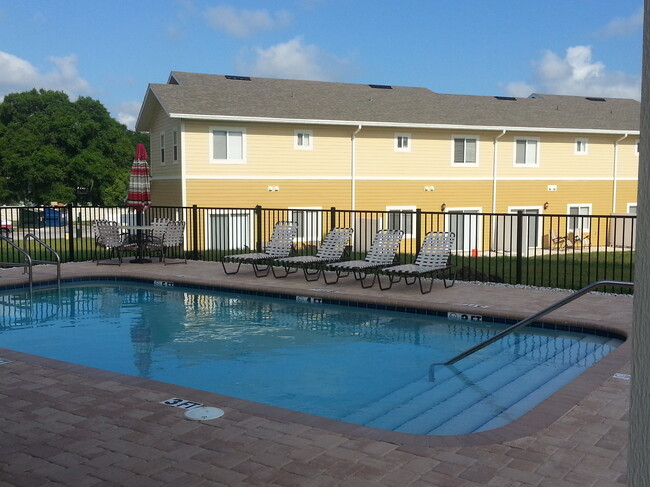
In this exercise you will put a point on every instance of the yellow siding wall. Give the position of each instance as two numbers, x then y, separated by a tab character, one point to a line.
424	177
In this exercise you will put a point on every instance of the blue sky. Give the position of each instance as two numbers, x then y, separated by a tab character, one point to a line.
111	50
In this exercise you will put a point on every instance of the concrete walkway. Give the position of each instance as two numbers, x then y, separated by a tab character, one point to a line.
64	424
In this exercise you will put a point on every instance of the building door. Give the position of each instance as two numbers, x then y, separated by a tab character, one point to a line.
230	230
466	224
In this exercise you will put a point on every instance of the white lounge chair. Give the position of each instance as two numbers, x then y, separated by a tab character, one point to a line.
280	245
432	259
331	250
382	253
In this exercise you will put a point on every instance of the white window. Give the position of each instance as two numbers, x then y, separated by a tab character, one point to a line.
631	208
401	218
402	142
228	145
579	221
309	221
162	148
527	152
303	140
581	147
175	145
465	151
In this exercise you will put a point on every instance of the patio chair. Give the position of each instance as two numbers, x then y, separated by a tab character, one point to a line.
108	237
433	258
173	238
382	253
280	245
557	242
331	250
153	239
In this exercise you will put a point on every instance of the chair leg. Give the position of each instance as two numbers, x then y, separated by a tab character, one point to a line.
390	282
337	273
279	276
422	287
223	264
261	271
311	276
362	280
453	279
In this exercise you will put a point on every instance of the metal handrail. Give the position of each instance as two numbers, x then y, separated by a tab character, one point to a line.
539	314
54	252
29	262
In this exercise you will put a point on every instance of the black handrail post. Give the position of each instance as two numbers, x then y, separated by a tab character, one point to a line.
520	247
258	228
71	249
195	232
332	217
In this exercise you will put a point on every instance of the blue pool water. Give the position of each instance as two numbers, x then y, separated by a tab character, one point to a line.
357	365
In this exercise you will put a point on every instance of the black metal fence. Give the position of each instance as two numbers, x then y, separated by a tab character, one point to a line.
565	251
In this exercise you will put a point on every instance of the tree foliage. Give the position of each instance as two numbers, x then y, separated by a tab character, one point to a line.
54	149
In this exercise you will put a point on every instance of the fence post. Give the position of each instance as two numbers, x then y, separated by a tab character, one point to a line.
520	247
195	232
332	217
258	228
418	230
70	234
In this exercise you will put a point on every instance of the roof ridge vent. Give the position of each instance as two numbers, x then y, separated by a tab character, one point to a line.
595	98
381	87
238	78
507	98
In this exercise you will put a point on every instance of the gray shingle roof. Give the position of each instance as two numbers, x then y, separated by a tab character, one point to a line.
207	96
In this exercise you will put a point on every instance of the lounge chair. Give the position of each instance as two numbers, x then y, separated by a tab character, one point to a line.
382	253
331	250
432	259
280	245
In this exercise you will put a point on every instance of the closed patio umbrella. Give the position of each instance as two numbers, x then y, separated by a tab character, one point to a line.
139	196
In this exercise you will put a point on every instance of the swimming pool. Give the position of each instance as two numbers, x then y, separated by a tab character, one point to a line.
358	365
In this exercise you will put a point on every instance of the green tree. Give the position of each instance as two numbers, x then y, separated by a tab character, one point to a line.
54	149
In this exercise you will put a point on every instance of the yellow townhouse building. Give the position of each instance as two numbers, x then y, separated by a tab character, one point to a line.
238	141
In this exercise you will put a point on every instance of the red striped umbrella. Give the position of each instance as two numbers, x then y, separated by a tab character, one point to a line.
140	181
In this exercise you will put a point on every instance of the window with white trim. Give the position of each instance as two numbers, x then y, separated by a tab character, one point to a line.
303	140
527	152
401	218
402	142
581	147
175	146
228	145
465	151
579	221
162	148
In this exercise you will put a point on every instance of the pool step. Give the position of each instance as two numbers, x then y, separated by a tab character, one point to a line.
425	412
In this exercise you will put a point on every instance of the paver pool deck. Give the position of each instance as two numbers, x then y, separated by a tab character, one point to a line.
64	424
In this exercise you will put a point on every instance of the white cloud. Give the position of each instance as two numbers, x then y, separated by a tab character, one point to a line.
294	60
577	74
623	26
244	23
20	75
127	113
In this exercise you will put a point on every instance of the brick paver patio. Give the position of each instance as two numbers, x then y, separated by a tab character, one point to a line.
64	424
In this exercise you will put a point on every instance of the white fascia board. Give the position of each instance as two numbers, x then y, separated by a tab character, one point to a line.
351	123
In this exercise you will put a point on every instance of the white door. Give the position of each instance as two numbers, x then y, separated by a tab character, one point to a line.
466	224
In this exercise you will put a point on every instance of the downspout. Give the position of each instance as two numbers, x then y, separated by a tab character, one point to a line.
616	171
353	169
494	171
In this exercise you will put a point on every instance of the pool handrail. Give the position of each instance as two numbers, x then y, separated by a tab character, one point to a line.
539	314
29	262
